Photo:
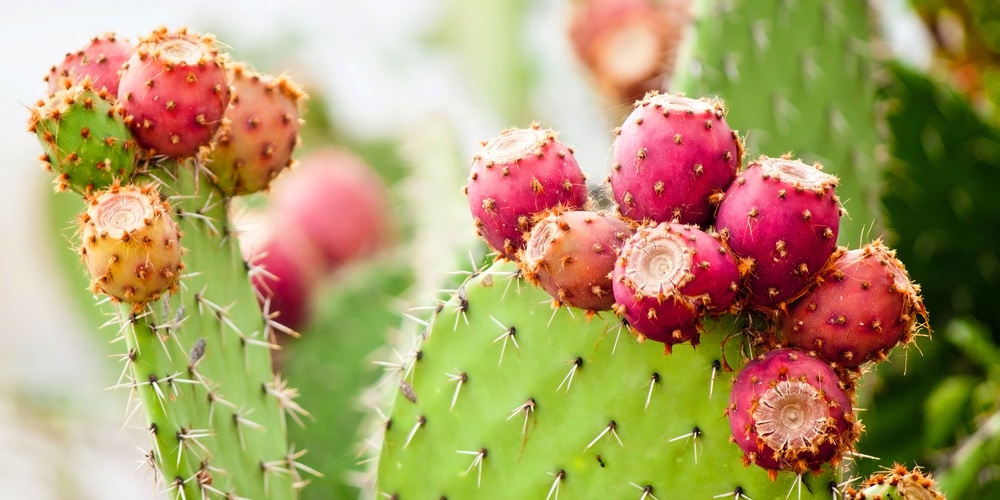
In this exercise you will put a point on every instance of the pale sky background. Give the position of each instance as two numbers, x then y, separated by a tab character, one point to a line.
360	52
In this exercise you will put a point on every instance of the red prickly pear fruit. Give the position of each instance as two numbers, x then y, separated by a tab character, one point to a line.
783	217
99	60
130	244
516	175
571	254
338	202
862	305
259	132
668	277
627	45
174	90
673	158
788	412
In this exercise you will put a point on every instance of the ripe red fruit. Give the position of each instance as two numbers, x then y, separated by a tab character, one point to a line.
100	60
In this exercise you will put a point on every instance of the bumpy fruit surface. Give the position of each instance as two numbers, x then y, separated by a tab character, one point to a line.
572	254
898	483
784	217
84	137
99	61
174	90
516	175
338	203
259	133
788	411
673	158
130	244
668	277
862	305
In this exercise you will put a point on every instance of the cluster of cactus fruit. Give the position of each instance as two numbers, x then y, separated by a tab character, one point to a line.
158	137
697	245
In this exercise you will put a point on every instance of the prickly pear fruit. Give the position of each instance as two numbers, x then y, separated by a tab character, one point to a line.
260	131
862	305
99	60
784	217
338	202
626	44
571	255
130	244
287	278
898	483
673	158
174	90
84	137
516	175
790	411
668	277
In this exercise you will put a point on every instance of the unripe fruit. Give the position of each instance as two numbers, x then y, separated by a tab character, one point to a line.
898	483
259	133
862	305
788	411
783	216
516	175
130	245
571	255
174	90
99	61
338	202
673	158
668	277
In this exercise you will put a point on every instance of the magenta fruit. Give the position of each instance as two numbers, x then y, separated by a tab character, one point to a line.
668	277
571	255
99	60
783	216
516	175
174	90
130	244
673	158
788	412
288	268
862	305
338	202
259	133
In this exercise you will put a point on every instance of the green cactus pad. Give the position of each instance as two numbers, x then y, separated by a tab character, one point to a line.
505	397
85	138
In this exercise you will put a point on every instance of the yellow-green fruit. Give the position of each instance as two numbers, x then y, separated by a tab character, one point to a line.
130	244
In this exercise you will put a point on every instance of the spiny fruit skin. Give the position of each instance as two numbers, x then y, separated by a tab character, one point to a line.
516	175
99	60
898	483
673	158
259	133
130	244
571	255
862	305
174	90
788	411
668	277
783	216
627	44
338	203
84	137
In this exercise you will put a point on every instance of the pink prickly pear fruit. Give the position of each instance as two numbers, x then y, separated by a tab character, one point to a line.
673	158
627	45
668	277
571	254
99	60
259	132
788	411
862	305
783	217
130	244
174	90
516	175
338	202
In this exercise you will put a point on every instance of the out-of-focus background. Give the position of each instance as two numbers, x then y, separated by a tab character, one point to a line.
389	74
